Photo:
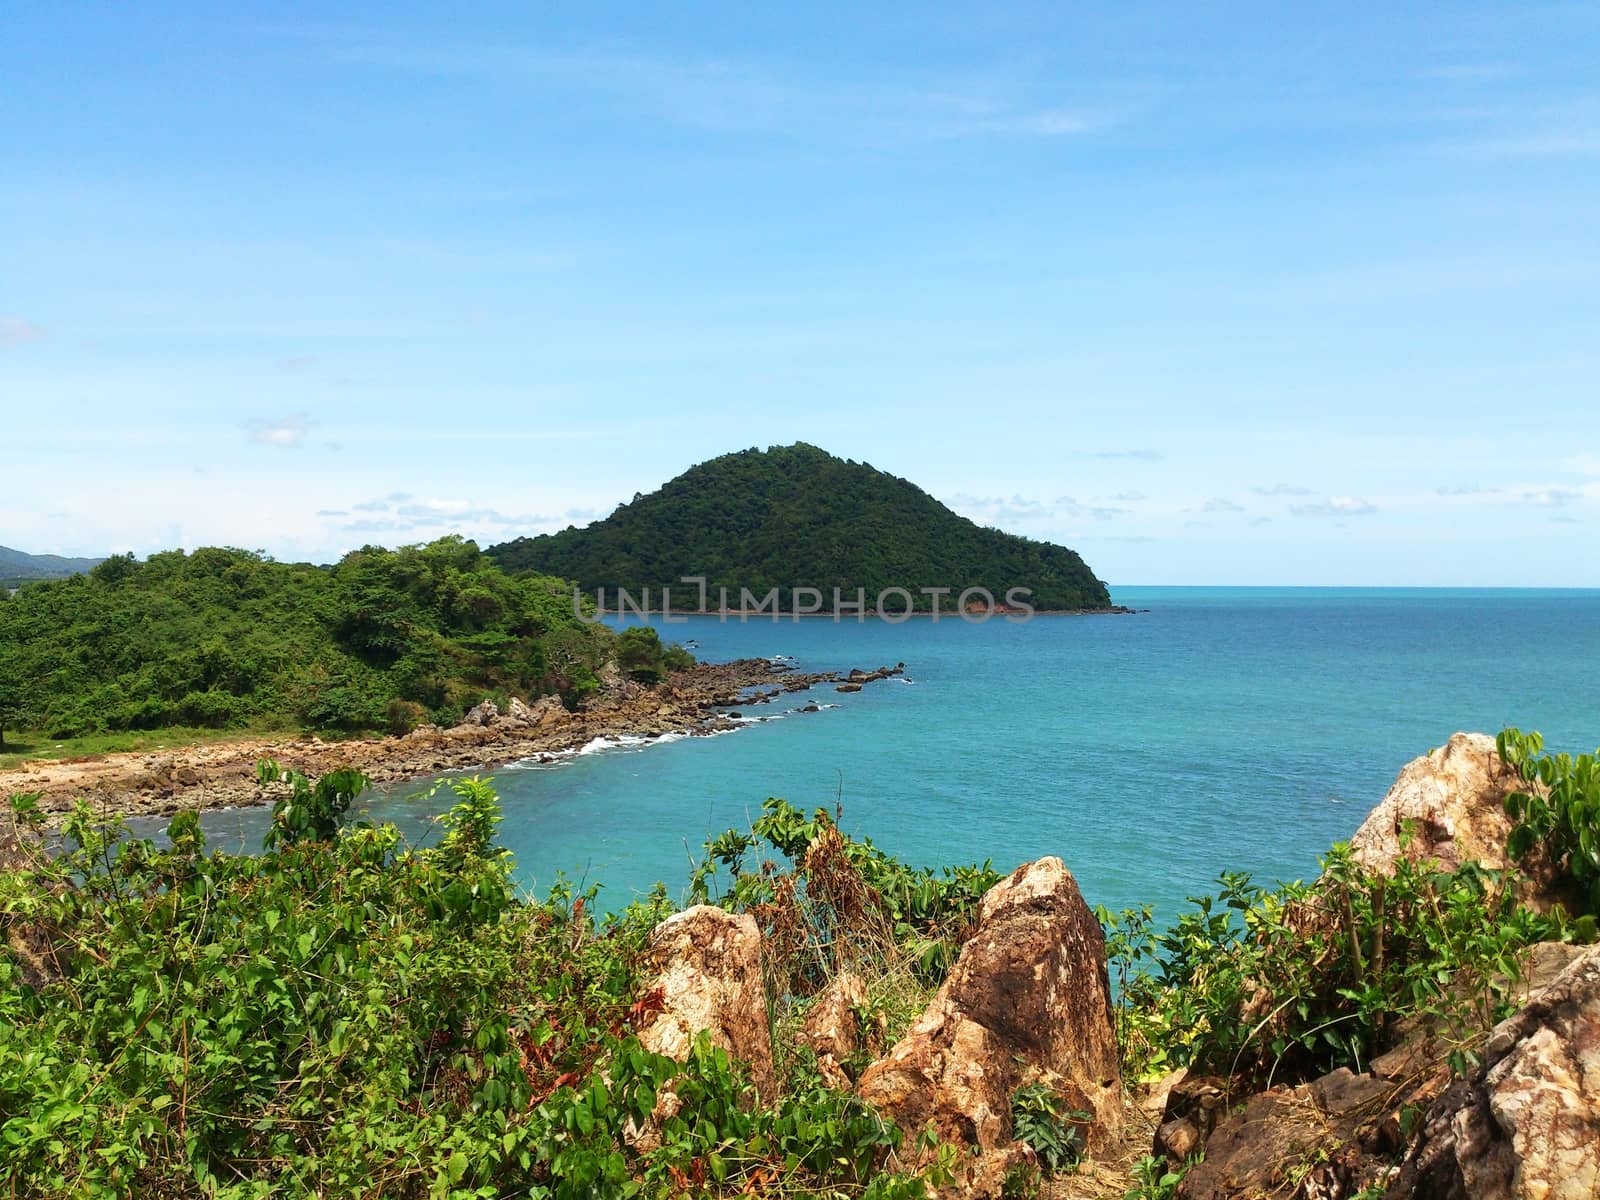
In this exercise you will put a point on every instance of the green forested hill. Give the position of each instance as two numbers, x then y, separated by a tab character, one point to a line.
224	638
17	566
796	516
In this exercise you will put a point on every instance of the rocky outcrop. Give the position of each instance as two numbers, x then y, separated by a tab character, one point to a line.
544	711
1026	1002
704	972
1332	1138
482	714
1451	801
1527	1125
834	1029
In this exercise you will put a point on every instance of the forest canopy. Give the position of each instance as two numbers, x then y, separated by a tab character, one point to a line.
224	638
796	517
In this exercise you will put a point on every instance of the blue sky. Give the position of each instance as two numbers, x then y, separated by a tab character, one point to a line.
1214	294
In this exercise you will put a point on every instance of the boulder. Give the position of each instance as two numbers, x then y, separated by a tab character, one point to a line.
483	714
1527	1124
848	687
543	711
1334	1137
1452	799
704	968
1027	1002
834	1030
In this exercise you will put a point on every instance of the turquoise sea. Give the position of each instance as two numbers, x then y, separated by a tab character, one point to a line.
1224	728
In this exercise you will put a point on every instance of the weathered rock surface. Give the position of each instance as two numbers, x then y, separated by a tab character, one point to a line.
834	1030
1453	799
483	714
704	968
1527	1126
1327	1139
1027	1001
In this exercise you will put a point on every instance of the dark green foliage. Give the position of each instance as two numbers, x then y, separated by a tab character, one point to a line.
1558	816
311	811
1041	1120
641	656
225	639
792	517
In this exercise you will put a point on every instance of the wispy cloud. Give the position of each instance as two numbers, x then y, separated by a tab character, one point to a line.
1549	497
1221	504
992	509
1141	454
400	512
737	96
14	331
284	432
1282	489
1467	489
1335	506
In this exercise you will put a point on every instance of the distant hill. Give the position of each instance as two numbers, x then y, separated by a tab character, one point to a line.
19	567
796	517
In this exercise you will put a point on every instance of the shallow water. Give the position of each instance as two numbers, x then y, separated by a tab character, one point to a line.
1225	728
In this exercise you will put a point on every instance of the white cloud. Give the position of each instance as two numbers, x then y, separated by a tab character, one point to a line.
1221	504
1282	489
1335	506
14	331
1143	454
284	432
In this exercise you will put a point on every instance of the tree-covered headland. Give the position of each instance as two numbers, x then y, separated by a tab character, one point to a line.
223	638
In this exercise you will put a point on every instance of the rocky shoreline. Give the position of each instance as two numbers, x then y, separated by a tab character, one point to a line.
708	698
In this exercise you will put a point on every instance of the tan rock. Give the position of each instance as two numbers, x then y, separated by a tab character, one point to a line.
1527	1126
1026	1002
833	1028
704	967
1454	801
483	714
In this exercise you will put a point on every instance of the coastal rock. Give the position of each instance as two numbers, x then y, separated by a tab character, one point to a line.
1527	1124
1453	801
1334	1137
1027	1002
834	1029
704	968
848	687
544	711
483	714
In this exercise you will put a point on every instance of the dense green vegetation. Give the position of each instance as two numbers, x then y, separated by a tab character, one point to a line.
226	639
348	1016
796	517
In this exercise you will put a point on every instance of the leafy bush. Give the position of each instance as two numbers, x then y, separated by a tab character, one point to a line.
345	1016
1558	816
1041	1120
1298	980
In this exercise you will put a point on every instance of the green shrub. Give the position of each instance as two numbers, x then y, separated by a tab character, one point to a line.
1558	816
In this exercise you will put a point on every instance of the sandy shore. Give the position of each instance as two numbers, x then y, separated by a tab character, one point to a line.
223	774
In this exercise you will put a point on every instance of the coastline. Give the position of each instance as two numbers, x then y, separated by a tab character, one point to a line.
698	702
1015	615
